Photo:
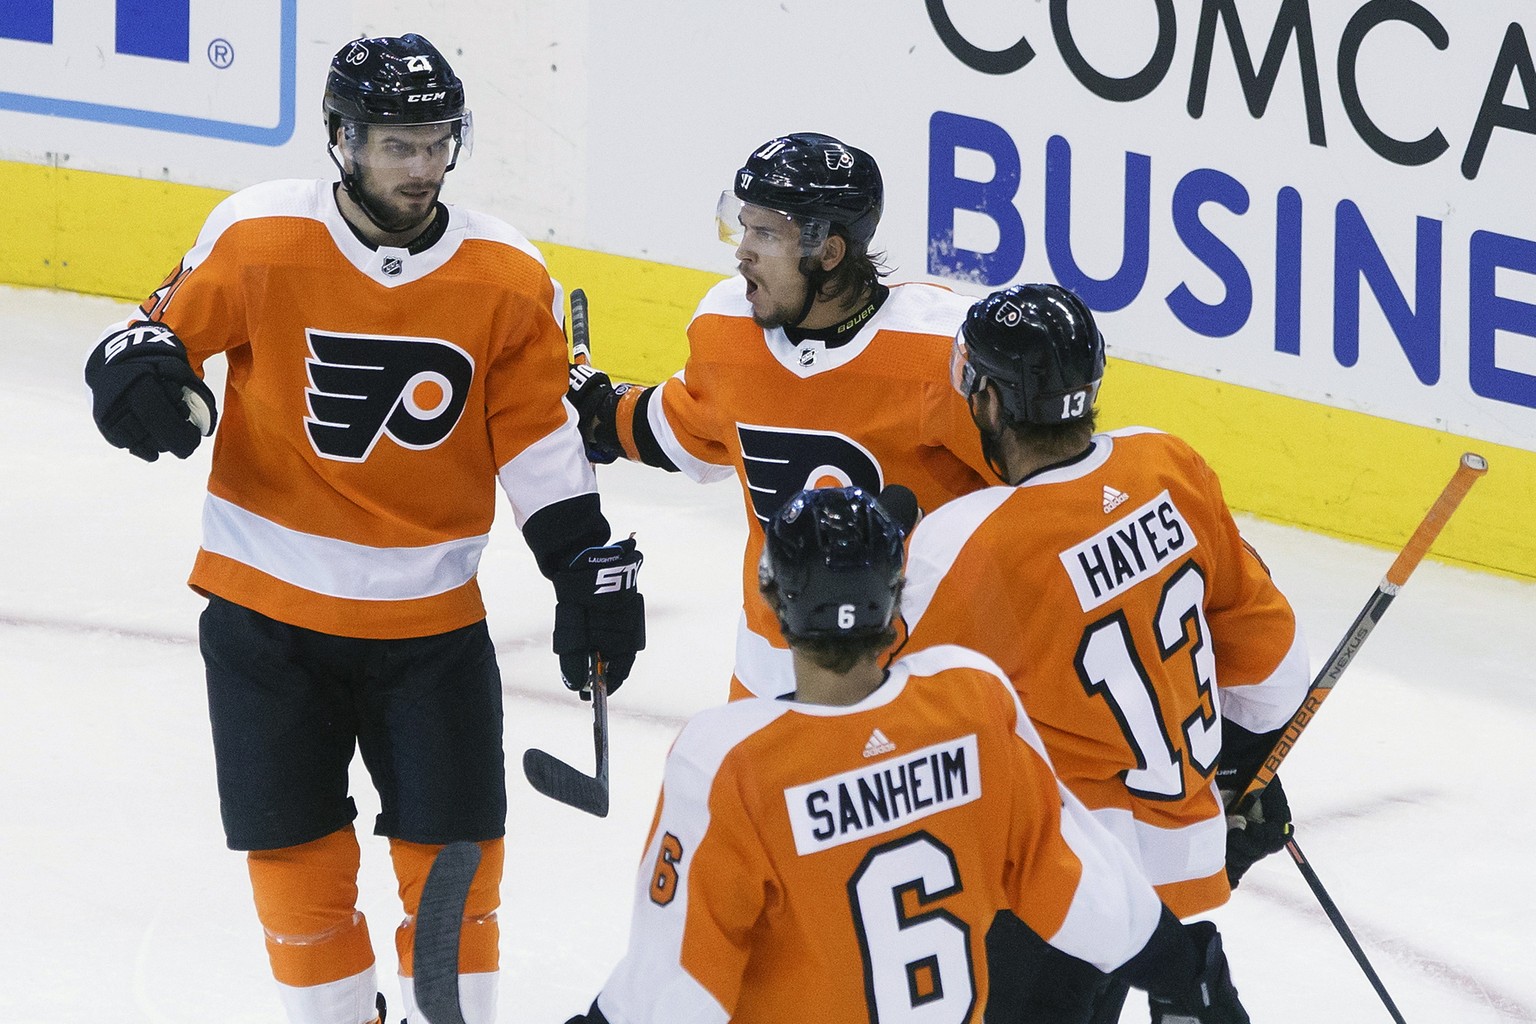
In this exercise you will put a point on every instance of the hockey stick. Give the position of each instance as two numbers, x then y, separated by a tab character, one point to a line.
1470	468
1339	925
439	920
545	772
581	338
558	780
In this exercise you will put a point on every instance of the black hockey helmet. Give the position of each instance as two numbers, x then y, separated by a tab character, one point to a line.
392	80
1039	344
815	177
834	557
399	82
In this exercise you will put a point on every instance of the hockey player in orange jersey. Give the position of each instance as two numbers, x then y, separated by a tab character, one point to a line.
1146	640
390	358
836	856
802	371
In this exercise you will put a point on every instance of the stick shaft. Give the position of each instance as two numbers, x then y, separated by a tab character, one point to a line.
581	335
547	773
600	718
1471	467
1332	910
1467	471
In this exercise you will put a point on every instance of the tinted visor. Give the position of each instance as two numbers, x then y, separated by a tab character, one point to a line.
766	232
962	375
429	149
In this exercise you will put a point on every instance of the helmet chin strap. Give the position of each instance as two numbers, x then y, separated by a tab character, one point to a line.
992	451
991	447
815	277
353	187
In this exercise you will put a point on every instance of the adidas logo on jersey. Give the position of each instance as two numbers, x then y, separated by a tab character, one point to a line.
878	744
1113	499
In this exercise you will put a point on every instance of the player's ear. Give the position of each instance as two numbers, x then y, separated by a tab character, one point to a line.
987	407
832	251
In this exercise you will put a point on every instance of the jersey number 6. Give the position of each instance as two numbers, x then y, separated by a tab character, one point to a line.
917	962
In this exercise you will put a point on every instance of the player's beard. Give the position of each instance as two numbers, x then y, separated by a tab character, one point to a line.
788	313
388	213
782	314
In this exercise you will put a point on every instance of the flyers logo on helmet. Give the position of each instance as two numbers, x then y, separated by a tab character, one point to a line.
780	463
1008	314
362	388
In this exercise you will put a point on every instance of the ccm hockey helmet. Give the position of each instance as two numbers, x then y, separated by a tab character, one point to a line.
401	83
392	80
1039	345
815	178
834	556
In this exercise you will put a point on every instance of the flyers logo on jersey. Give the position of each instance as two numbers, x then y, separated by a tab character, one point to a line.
363	388
780	462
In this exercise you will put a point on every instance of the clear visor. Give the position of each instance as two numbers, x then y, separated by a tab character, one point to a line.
766	232
427	149
962	375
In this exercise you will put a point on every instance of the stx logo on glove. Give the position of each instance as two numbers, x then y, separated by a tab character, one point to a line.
615	578
139	334
362	388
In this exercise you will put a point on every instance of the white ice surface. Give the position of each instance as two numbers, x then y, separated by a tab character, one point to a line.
118	900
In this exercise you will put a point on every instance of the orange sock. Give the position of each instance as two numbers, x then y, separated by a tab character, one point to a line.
306	899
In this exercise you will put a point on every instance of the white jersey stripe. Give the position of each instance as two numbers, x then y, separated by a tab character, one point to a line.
546	471
693	468
337	568
1107	896
651	973
1269	704
764	669
1169	855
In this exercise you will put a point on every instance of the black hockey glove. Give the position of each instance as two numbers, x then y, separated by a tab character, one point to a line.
145	396
901	504
599	613
592	392
1211	997
1257	828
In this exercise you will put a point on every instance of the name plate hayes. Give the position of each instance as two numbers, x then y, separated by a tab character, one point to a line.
883	796
1133	549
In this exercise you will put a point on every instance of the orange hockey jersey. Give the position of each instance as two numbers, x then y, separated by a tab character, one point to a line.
1118	596
843	864
783	417
374	397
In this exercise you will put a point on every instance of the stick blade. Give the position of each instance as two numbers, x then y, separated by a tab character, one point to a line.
559	781
439	919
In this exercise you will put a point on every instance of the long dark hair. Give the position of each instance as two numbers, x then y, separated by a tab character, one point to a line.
855	275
